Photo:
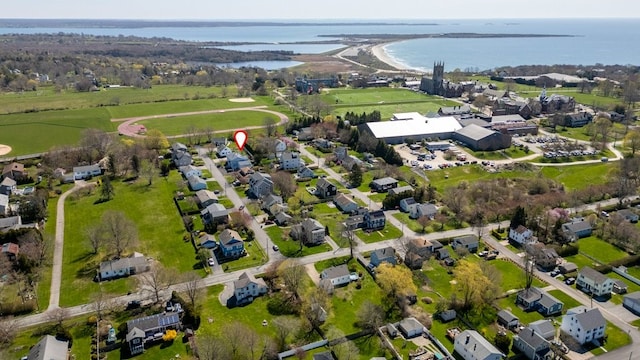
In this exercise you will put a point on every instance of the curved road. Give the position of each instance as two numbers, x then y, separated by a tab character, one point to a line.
128	129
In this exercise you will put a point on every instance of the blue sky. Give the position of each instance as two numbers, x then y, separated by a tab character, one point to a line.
323	9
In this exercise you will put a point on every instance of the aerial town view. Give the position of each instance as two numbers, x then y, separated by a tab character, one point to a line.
321	181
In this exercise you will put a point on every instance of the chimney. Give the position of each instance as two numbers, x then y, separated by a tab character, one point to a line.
474	347
467	340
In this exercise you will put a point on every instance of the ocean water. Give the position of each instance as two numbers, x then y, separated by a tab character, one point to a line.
593	41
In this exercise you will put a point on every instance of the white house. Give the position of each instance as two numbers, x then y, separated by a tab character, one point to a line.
280	147
123	267
593	282
521	235
190	170
470	345
410	327
84	172
336	275
584	325
290	160
224	151
4	204
248	287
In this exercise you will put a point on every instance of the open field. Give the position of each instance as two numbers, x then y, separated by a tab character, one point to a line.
600	249
373	95
387	110
580	176
160	234
217	121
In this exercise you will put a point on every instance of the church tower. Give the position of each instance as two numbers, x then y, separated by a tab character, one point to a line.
438	72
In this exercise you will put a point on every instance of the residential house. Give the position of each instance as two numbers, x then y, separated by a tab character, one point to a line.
49	348
410	327
632	302
313	232
532	345
521	235
150	329
123	267
545	328
400	190
578	119
4	204
544	257
325	189
375	220
469	242
567	267
219	142
577	229
290	160
354	222
260	184
207	241
196	183
223	151
620	287
282	218
279	147
536	299
305	134
408	204
190	170
335	276
322	144
13	171
507	319
340	153
247	287
447	315
428	210
418	250
470	345
231	244
387	255
305	173
442	254
350	161
628	215
215	214
269	201
237	161
7	186
345	203
495	94
85	172
325	355
10	250
593	282
180	155
10	223
384	184
205	198
584	325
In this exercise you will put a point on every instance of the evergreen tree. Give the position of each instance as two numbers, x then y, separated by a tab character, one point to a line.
519	218
106	191
355	176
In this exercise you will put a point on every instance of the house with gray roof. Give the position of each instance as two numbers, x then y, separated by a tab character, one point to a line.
231	244
7	186
335	276
207	241
470	345
507	319
49	348
374	220
428	210
628	215
260	184
150	328
123	267
189	170
536	299
593	282
180	155
384	184
4	204
583	324
85	172
305	173
577	229
387	254
478	138
632	302
544	327
282	218
408	204
454	110
196	183
248	287
468	242
290	160
325	189
205	198
237	161
313	232
532	345
8	223
410	327
215	214
400	190
345	203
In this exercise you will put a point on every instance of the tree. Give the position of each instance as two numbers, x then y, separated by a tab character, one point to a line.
284	326
148	171
192	287
342	347
101	302
396	282
292	274
284	183
95	238
424	221
8	331
602	128
269	124
456	200
120	232
472	286
58	316
156	140
211	347
350	236
315	306
155	280
370	316
632	141
355	176
503	342
518	218
106	189
135	164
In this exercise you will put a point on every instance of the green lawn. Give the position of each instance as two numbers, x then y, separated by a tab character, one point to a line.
574	177
616	338
580	261
373	95
600	249
347	300
388	109
160	234
389	232
289	247
218	121
512	275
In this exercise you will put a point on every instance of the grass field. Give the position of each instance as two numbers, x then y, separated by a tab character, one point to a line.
160	234
289	247
217	121
579	176
600	249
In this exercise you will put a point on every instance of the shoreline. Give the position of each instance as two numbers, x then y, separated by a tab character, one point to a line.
381	54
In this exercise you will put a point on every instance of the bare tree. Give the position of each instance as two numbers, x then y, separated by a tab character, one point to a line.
192	287
292	274
350	235
120	232
210	347
284	326
95	238
315	307
102	302
58	316
148	171
424	221
370	316
269	124
8	331
155	280
284	183
233	335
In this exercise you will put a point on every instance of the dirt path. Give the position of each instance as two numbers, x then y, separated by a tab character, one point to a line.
313	273
128	127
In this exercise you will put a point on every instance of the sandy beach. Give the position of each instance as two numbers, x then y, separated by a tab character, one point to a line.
379	52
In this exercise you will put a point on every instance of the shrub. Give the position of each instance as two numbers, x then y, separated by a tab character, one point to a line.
170	335
627	261
92	320
427	300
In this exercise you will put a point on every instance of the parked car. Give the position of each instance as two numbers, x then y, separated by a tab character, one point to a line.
554	273
276	248
570	281
134	304
211	261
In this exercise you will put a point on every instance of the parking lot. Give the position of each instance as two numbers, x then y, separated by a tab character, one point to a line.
424	159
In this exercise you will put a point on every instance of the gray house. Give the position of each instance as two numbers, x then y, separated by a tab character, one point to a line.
469	242
205	198
387	254
49	348
196	183
384	184
122	267
628	215
507	319
532	345
150	328
577	229
180	155
325	189
260	184
345	204
632	302
215	214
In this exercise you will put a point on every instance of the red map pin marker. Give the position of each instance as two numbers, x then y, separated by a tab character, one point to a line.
240	137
